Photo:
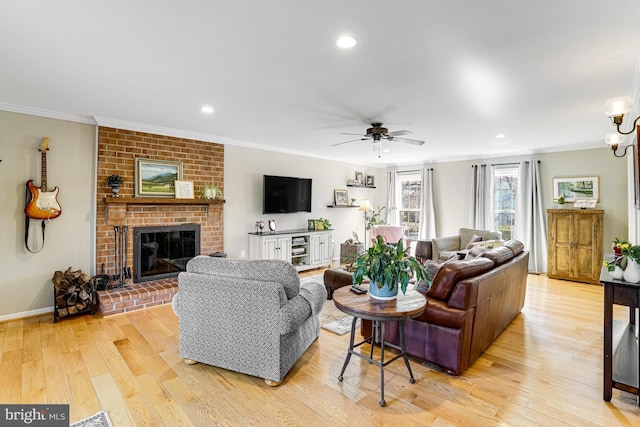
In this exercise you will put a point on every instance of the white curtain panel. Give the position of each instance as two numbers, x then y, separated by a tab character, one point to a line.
427	212
530	220
393	213
481	197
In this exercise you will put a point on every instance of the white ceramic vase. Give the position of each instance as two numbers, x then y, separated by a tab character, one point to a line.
616	273
632	273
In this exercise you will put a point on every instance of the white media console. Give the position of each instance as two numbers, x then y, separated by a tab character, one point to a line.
305	249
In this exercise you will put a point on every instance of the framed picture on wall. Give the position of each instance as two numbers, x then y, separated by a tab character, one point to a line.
340	198
583	187
156	178
370	181
359	178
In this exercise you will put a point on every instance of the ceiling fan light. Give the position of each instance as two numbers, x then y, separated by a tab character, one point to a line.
346	42
618	106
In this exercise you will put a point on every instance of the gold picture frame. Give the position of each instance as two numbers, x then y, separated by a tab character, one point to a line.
156	178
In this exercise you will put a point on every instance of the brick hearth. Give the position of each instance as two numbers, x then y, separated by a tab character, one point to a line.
137	296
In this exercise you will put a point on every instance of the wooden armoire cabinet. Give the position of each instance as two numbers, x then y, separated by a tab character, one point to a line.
575	244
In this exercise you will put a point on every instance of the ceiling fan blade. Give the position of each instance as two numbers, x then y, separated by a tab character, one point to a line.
353	140
406	140
351	133
399	132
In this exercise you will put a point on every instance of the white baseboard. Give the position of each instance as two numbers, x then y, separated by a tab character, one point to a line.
24	314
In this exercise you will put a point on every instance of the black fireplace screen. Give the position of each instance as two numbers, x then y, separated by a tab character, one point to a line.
163	251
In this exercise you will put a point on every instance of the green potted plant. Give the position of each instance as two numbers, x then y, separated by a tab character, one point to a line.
323	224
388	266
210	191
114	181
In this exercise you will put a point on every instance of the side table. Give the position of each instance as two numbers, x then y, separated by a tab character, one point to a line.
621	349
362	306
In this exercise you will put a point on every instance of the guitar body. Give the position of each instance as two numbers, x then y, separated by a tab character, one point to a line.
43	204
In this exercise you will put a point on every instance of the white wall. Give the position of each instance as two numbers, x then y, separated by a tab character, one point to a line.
244	169
25	284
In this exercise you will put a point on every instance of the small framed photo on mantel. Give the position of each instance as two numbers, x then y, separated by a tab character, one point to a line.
184	189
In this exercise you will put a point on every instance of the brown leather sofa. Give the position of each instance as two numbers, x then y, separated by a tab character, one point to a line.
469	304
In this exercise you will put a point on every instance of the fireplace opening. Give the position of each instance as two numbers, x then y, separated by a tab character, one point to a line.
163	251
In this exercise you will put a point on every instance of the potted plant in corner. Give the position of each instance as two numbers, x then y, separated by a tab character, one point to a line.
388	266
114	181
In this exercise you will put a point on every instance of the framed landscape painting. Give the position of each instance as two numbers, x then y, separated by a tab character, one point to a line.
156	178
576	188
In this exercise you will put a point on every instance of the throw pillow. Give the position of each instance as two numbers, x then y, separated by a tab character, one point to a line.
432	268
476	251
474	239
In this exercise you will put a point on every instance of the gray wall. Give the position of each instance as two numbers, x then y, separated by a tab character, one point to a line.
25	284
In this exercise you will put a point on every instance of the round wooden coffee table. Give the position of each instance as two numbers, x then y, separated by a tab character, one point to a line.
362	306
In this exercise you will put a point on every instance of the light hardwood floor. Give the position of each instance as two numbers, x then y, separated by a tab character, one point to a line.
545	369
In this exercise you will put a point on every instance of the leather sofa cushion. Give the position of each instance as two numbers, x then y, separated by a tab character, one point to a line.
453	271
516	246
499	255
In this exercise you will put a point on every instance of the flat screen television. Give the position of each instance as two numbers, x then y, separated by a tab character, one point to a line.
283	194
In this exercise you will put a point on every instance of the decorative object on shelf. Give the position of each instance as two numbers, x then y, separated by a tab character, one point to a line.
616	245
352	201
573	188
272	225
311	224
340	198
560	200
323	224
114	181
260	227
616	108
156	178
388	268
632	272
616	273
359	178
370	182
184	189
585	203
210	191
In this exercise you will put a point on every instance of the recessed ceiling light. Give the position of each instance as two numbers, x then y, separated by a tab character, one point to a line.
501	135
346	42
208	109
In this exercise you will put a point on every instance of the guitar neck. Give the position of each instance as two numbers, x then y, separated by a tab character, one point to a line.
43	170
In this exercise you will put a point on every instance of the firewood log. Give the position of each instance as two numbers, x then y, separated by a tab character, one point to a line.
72	309
62	312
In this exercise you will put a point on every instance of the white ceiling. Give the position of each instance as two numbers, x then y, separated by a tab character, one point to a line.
456	73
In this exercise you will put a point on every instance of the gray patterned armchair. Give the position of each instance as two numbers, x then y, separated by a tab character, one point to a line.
248	316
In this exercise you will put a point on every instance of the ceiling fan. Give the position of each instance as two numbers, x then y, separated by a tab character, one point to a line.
377	133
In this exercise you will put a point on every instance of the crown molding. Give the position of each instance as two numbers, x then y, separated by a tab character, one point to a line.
78	118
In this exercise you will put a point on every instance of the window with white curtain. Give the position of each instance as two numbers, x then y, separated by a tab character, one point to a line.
505	192
409	189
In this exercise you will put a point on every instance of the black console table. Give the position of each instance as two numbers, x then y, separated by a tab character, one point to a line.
621	350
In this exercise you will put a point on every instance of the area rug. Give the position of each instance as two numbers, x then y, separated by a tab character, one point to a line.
101	419
331	318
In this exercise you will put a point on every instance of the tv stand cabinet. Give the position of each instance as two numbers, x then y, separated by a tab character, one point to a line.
305	249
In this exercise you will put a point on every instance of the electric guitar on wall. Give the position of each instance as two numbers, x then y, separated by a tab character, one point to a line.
43	203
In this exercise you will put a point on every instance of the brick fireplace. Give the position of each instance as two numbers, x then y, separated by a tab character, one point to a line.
202	162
